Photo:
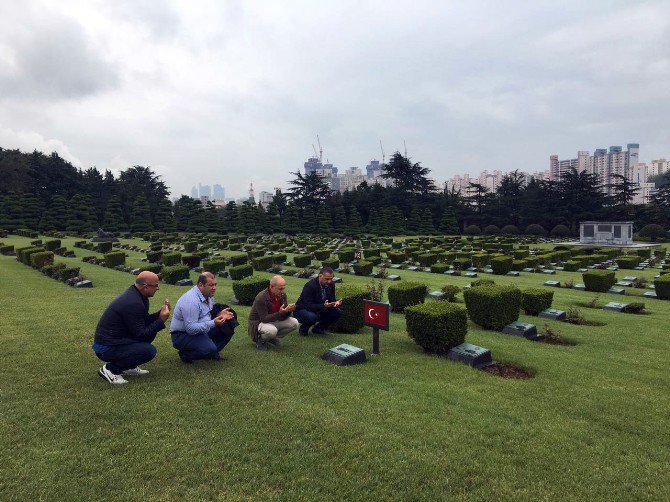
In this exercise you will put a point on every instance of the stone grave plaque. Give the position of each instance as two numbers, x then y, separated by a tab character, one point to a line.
488	270
613	269
470	275
120	267
234	300
512	273
590	267
559	268
540	266
467	286
337	280
524	329
557	315
84	284
651	286
413	268
630	278
472	269
472	355
297	274
435	295
650	294
449	272
624	284
135	271
616	291
582	270
198	269
287	263
395	266
549	272
552	284
529	269
616	307
640	268
184	282
393	277
345	355
314	276
374	275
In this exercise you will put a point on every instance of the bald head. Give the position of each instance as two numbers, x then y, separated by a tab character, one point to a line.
147	283
277	285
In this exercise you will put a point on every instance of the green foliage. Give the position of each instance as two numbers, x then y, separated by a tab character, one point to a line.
302	260
662	287
23	253
215	265
323	254
63	274
238	259
331	262
437	326
439	268
405	294
560	231
493	306
450	291
363	267
262	263
156	268
104	247
535	300
171	258
501	264
6	250
170	275
238	272
652	231
427	259
351	320
190	246
346	255
472	230
634	308
41	259
535	229
52	244
115	258
191	260
629	262
572	265
598	280
246	289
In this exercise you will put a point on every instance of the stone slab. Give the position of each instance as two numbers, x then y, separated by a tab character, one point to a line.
184	282
555	314
579	287
549	272
614	306
624	284
650	294
617	291
472	355
553	284
524	329
470	275
512	273
84	284
393	277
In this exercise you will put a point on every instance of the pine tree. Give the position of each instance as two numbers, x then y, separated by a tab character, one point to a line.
55	216
80	214
113	221
197	221
31	211
426	226
262	219
231	218
339	220
308	221
164	219
449	223
324	222
292	223
140	216
414	222
214	219
355	224
272	218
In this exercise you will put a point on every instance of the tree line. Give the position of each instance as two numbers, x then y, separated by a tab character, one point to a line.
45	192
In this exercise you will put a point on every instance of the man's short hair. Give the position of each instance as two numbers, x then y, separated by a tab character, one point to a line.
203	277
326	270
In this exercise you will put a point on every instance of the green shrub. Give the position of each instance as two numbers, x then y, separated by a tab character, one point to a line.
191	260
535	300
278	259
154	256
450	291
405	294
644	253
634	308
171	258
439	268
238	259
437	326
571	266
52	244
190	246
255	253
23	254
262	263
246	289
214	266
630	261
462	263
104	247
156	268
427	259
65	273
240	272
370	252
6	250
363	267
175	273
501	264
351	320
493	306
302	260
396	257
662	287
331	262
42	259
346	255
115	258
482	282
480	260
322	254
598	280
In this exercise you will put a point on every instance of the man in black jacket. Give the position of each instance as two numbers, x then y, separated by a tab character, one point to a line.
317	305
126	329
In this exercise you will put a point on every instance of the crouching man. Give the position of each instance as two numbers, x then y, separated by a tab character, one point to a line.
270	318
126	329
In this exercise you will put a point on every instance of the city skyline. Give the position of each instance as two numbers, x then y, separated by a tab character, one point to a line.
237	92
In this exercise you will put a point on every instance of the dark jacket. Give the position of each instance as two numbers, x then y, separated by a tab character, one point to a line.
311	299
260	312
127	320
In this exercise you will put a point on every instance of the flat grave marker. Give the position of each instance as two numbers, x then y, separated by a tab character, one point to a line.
555	314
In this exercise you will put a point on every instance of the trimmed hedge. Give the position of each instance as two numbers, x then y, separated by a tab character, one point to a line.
115	258
535	300
171	275
41	259
104	247
156	268
52	244
351	320
278	259
23	254
493	306
214	266
502	264
65	273
331	262
6	250
406	294
262	263
191	260
246	289
396	257
598	280
346	255
171	258
363	267
439	268
322	254
662	287
190	246
630	261
437	326
238	259
427	259
240	272
302	260
572	266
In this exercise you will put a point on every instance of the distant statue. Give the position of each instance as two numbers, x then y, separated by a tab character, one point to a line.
103	236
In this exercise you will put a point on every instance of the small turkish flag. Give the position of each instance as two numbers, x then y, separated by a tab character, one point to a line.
376	314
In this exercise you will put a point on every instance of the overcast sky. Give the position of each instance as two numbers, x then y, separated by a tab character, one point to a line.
229	92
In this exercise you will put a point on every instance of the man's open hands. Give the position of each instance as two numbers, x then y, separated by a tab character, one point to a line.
165	311
224	316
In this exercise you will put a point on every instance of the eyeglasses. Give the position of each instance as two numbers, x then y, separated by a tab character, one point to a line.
151	285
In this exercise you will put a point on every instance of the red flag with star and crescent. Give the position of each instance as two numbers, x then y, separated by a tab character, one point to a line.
376	314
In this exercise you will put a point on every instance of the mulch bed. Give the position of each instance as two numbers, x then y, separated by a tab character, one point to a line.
507	370
556	341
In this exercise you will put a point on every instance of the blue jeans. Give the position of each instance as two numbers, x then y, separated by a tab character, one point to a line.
202	346
120	358
320	320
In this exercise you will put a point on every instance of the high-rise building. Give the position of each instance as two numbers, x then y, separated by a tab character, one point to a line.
194	193
656	167
205	191
218	192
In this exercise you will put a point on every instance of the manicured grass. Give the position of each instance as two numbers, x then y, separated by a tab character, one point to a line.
591	424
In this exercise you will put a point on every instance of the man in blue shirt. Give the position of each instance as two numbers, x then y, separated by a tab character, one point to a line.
126	329
194	333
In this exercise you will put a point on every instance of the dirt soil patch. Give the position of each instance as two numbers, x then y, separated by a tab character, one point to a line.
507	370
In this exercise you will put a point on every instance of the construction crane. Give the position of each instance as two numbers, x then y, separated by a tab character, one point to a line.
383	154
316	155
320	149
403	142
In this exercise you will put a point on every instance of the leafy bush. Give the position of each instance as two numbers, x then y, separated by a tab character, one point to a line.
346	255
396	257
52	244
66	273
491	230
643	253
652	231
427	259
598	280
322	254
278	259
535	229
240	272
302	260
501	264
405	294
104	247
246	289
154	256
462	263
662	287
330	262
175	273
472	230
630	261
262	263
370	252
23	254
450	291
6	250
535	300
238	259
115	258
351	320
572	266
171	258
560	231
481	282
493	306
156	268
363	267
191	260
439	268
39	260
634	308
190	246
214	266
437	326
509	230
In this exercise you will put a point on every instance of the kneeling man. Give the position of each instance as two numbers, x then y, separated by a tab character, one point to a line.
317	305
194	333
270	318
126	329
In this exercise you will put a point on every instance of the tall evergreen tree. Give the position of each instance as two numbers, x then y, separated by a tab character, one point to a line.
231	217
55	216
355	223
339	219
140	217
448	222
406	176
292	223
214	219
164	218
31	211
80	214
113	221
324	223
272	218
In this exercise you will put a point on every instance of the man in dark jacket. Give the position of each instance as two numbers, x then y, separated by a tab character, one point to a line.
126	329
317	305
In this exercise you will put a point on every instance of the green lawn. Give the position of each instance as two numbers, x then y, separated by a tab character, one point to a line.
591	424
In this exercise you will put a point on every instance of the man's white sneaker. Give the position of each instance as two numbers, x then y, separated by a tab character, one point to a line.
111	377
135	372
